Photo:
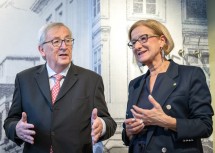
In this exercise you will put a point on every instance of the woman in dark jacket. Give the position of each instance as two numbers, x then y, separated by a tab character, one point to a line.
169	108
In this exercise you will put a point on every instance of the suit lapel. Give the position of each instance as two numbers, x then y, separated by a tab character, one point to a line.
165	89
167	85
69	81
42	80
136	93
137	89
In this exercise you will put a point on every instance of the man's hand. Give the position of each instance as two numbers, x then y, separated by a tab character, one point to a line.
96	126
24	130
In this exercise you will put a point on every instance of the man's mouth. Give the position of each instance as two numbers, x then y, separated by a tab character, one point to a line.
63	55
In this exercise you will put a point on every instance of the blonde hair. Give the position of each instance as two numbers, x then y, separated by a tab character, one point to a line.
158	29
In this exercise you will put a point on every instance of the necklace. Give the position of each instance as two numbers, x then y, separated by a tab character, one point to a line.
153	70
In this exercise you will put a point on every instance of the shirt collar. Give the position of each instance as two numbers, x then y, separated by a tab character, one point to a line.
52	72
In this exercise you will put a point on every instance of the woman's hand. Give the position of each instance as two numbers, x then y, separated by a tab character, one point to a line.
133	126
154	116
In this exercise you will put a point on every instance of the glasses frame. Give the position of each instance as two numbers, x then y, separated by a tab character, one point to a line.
62	40
132	43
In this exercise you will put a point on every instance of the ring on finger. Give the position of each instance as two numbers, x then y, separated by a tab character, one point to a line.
141	121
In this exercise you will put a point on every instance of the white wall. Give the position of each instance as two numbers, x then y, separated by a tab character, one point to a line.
18	30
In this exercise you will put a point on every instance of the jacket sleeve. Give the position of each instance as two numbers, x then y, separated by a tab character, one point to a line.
14	115
100	104
199	122
125	138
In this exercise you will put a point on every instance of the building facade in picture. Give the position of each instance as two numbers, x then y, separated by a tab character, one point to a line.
100	29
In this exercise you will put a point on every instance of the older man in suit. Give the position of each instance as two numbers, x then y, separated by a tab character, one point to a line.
58	107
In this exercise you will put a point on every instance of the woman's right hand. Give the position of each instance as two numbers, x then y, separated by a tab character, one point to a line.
133	126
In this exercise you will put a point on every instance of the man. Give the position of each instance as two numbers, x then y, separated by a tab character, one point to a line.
48	119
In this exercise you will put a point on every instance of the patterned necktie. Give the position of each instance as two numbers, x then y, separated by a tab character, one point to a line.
56	88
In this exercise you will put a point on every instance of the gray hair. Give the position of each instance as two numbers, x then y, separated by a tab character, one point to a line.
44	30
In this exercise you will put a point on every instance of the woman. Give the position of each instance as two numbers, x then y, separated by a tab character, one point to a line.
169	108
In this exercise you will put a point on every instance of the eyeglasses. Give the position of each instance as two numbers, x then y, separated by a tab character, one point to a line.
58	42
142	39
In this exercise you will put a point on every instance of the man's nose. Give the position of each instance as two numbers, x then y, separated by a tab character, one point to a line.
63	44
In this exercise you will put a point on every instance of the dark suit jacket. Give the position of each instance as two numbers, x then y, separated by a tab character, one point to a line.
184	95
67	124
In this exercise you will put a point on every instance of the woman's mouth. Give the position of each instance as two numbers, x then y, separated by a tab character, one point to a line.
140	53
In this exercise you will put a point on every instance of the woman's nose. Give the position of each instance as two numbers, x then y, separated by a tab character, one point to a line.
137	45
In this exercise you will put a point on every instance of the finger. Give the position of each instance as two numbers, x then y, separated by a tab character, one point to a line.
94	114
153	101
30	132
96	138
24	117
28	126
138	109
95	123
140	129
96	133
136	129
135	124
129	121
96	130
29	139
135	114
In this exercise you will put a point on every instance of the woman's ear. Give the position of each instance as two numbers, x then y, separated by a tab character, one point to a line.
163	43
163	40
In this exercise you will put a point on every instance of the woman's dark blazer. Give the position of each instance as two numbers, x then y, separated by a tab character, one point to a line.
184	95
66	124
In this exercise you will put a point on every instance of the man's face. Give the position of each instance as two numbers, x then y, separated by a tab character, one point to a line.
57	57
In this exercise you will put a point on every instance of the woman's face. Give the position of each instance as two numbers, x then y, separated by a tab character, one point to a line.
148	51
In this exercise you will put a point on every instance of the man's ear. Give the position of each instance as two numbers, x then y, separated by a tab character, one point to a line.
42	52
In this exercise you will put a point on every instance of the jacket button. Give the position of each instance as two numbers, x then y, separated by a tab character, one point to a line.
168	107
163	149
